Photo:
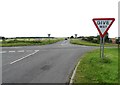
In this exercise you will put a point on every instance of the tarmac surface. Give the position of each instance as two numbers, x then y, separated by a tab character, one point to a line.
52	63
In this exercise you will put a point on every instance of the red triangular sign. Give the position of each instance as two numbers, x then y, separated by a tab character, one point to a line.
103	25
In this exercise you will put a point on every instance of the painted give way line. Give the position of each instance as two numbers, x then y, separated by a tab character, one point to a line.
24	57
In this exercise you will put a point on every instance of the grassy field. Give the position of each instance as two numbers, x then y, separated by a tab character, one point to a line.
82	42
93	69
28	42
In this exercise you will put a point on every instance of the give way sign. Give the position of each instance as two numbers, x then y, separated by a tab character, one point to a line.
103	25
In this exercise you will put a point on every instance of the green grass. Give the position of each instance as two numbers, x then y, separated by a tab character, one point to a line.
18	42
82	42
93	69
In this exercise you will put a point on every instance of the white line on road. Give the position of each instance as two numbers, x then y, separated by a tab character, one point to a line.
11	51
3	52
73	75
20	51
24	57
36	50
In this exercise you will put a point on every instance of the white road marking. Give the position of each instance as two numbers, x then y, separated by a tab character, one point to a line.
3	52
11	51
36	50
20	51
24	57
73	74
64	43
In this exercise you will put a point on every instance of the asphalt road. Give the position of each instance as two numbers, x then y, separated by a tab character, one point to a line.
41	64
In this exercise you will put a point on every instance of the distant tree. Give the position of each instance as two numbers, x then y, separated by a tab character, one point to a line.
106	38
83	38
15	39
71	37
90	38
117	41
3	38
98	39
110	40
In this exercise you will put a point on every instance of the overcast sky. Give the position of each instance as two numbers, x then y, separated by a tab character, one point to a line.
60	18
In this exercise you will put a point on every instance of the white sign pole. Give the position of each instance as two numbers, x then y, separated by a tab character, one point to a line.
103	41
100	46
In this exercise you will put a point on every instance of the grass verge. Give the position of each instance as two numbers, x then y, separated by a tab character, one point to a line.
93	69
28	42
82	42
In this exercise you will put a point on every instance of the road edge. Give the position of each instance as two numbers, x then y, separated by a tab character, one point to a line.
73	73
